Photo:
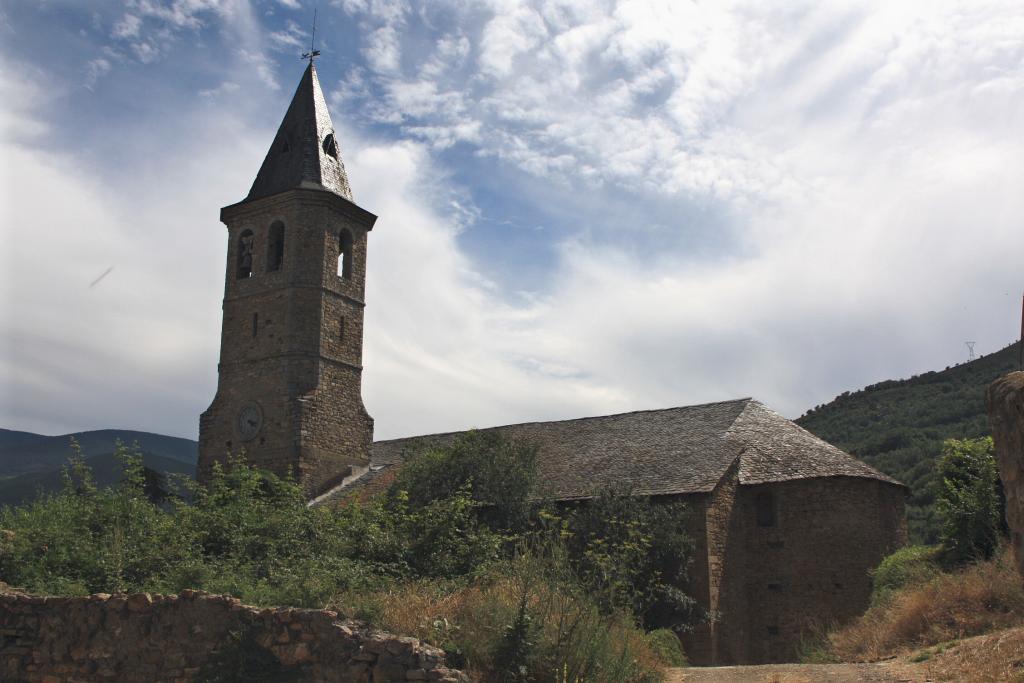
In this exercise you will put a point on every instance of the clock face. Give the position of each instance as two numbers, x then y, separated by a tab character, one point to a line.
250	419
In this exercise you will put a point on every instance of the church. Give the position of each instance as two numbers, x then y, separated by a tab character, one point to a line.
785	526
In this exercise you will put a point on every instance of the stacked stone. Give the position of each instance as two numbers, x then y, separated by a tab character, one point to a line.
142	637
1005	403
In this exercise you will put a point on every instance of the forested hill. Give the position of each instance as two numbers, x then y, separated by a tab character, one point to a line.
898	426
30	463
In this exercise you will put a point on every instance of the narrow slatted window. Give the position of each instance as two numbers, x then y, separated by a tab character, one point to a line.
275	247
345	254
244	255
765	503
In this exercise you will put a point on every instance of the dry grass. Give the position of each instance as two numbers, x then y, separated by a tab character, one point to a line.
982	598
572	640
987	659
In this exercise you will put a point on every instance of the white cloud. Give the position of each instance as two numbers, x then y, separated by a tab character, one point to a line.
138	349
515	29
865	153
22	96
150	29
384	52
680	97
261	65
95	70
443	349
225	88
864	163
292	38
128	27
183	13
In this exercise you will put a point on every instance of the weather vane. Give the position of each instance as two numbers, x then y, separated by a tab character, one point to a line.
312	54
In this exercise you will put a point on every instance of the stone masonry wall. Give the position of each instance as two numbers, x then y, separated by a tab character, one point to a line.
697	641
291	342
1005	402
811	565
716	642
193	636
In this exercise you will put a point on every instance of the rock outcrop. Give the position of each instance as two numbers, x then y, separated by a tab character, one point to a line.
1005	403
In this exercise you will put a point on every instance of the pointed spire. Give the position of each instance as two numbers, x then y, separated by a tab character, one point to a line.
305	152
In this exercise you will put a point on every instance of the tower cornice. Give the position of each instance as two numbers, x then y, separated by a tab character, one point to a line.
305	196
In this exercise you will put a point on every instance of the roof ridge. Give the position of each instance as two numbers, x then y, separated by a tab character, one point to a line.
800	432
727	430
746	399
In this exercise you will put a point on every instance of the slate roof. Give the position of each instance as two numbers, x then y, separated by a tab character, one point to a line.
660	452
303	154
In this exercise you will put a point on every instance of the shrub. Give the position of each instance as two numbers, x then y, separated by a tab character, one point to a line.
969	499
248	533
83	539
665	644
516	596
499	474
633	554
528	619
445	538
906	567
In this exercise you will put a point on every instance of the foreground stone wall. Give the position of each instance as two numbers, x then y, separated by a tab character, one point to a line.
1005	403
195	636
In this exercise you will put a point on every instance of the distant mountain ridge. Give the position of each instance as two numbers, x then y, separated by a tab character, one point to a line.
30	463
898	426
27	452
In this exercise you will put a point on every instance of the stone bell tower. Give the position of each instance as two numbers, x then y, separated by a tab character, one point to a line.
289	383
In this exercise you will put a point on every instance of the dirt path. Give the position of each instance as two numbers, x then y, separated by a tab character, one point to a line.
802	673
991	658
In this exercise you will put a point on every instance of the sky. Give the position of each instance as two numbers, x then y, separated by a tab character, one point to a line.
586	207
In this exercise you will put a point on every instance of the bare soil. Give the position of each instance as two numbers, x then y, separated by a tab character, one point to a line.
990	658
801	673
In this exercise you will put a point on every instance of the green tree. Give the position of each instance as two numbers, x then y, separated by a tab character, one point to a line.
498	473
969	499
634	553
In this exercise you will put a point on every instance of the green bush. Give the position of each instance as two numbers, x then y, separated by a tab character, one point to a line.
545	594
248	533
498	473
970	500
86	539
633	554
666	645
908	566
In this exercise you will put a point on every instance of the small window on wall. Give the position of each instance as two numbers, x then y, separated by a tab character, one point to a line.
244	257
765	504
255	324
345	255
341	329
275	246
